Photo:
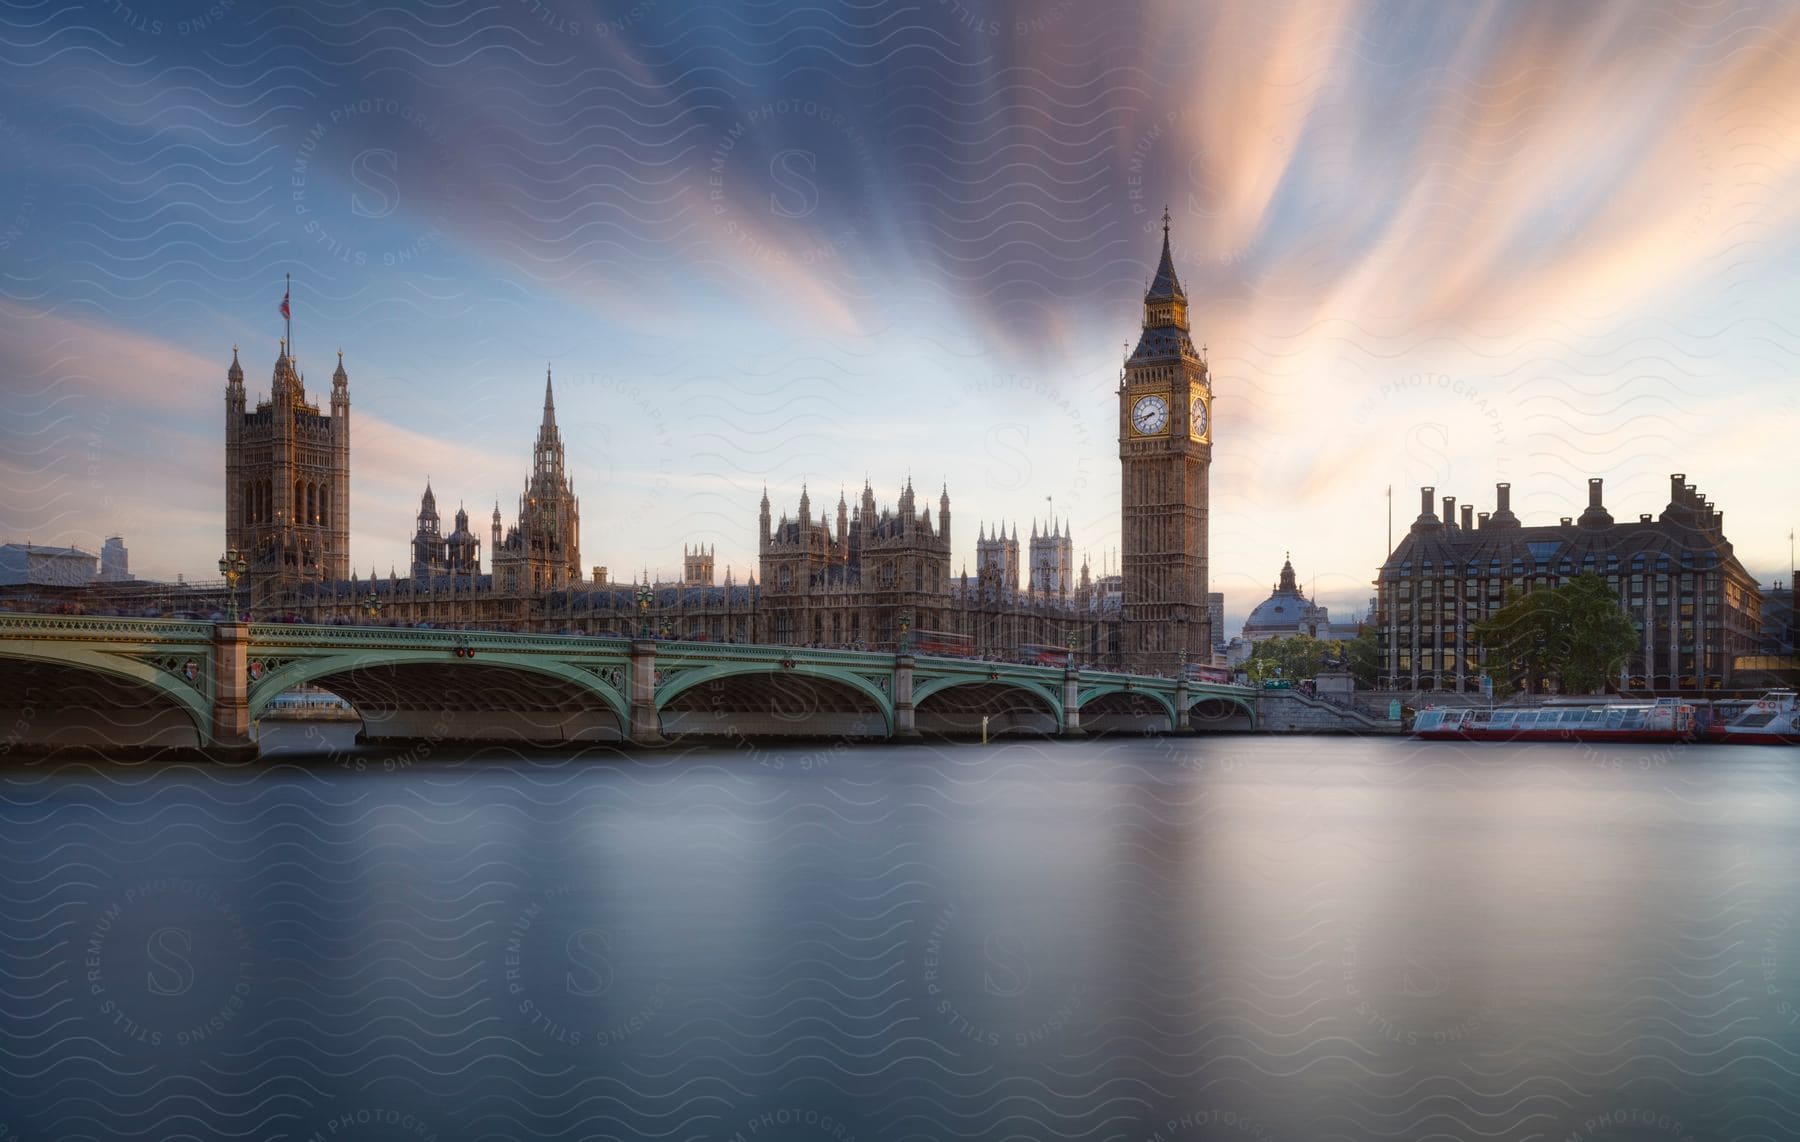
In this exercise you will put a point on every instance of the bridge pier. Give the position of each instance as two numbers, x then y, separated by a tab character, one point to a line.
645	728
1071	704
1182	698
231	738
905	726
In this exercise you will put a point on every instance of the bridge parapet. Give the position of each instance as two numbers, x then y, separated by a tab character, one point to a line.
219	675
94	628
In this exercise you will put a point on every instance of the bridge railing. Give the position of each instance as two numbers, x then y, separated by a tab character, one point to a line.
374	637
105	628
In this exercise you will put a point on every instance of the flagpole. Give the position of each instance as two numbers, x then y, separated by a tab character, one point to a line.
288	316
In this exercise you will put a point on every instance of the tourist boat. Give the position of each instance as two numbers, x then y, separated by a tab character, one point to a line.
1774	719
1662	720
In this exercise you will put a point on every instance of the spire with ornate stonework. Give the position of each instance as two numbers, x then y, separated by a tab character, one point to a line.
1165	311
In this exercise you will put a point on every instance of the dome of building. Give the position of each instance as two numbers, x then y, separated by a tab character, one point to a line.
1285	612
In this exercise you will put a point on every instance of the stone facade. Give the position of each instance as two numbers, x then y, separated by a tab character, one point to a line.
1694	604
861	575
542	551
287	478
436	555
1165	453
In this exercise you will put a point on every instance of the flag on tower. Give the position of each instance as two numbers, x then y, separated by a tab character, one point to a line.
284	305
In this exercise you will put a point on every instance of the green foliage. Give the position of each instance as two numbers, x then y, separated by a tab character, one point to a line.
1575	635
1365	658
1259	670
1298	657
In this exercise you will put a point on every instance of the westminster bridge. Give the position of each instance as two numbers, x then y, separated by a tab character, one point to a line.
118	683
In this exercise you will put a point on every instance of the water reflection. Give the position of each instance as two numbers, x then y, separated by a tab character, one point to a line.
1302	938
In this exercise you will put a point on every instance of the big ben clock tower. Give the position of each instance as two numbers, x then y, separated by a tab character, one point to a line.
1165	450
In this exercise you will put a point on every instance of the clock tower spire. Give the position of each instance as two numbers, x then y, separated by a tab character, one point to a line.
1165	453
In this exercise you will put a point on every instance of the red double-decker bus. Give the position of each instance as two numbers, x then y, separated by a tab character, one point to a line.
1216	674
942	642
1044	655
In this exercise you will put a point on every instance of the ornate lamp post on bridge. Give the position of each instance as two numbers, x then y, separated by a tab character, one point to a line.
233	565
1181	638
905	632
645	596
371	605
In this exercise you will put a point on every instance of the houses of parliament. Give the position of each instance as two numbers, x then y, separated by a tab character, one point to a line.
858	574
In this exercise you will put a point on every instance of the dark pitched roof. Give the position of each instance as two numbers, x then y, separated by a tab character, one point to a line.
1165	285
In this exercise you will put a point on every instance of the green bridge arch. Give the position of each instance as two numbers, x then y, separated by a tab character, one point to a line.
694	677
193	701
1240	701
925	689
312	669
1136	690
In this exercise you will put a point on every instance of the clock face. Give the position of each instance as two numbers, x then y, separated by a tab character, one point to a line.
1150	415
1200	418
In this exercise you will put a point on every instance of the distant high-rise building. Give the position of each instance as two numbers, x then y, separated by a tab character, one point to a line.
115	561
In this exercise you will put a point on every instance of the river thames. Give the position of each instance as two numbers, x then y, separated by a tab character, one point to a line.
1237	937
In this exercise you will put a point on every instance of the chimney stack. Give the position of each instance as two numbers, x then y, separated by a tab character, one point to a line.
1675	482
1644	517
1449	511
1481	520
1426	521
1503	515
1566	521
1596	514
1468	517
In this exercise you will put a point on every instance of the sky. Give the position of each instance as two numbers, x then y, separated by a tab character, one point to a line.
812	244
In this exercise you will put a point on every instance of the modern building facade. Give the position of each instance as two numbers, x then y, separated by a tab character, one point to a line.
1694	605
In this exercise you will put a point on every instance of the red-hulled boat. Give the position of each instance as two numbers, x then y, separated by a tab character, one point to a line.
1774	719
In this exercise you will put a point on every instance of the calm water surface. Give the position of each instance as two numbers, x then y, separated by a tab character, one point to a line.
1228	938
